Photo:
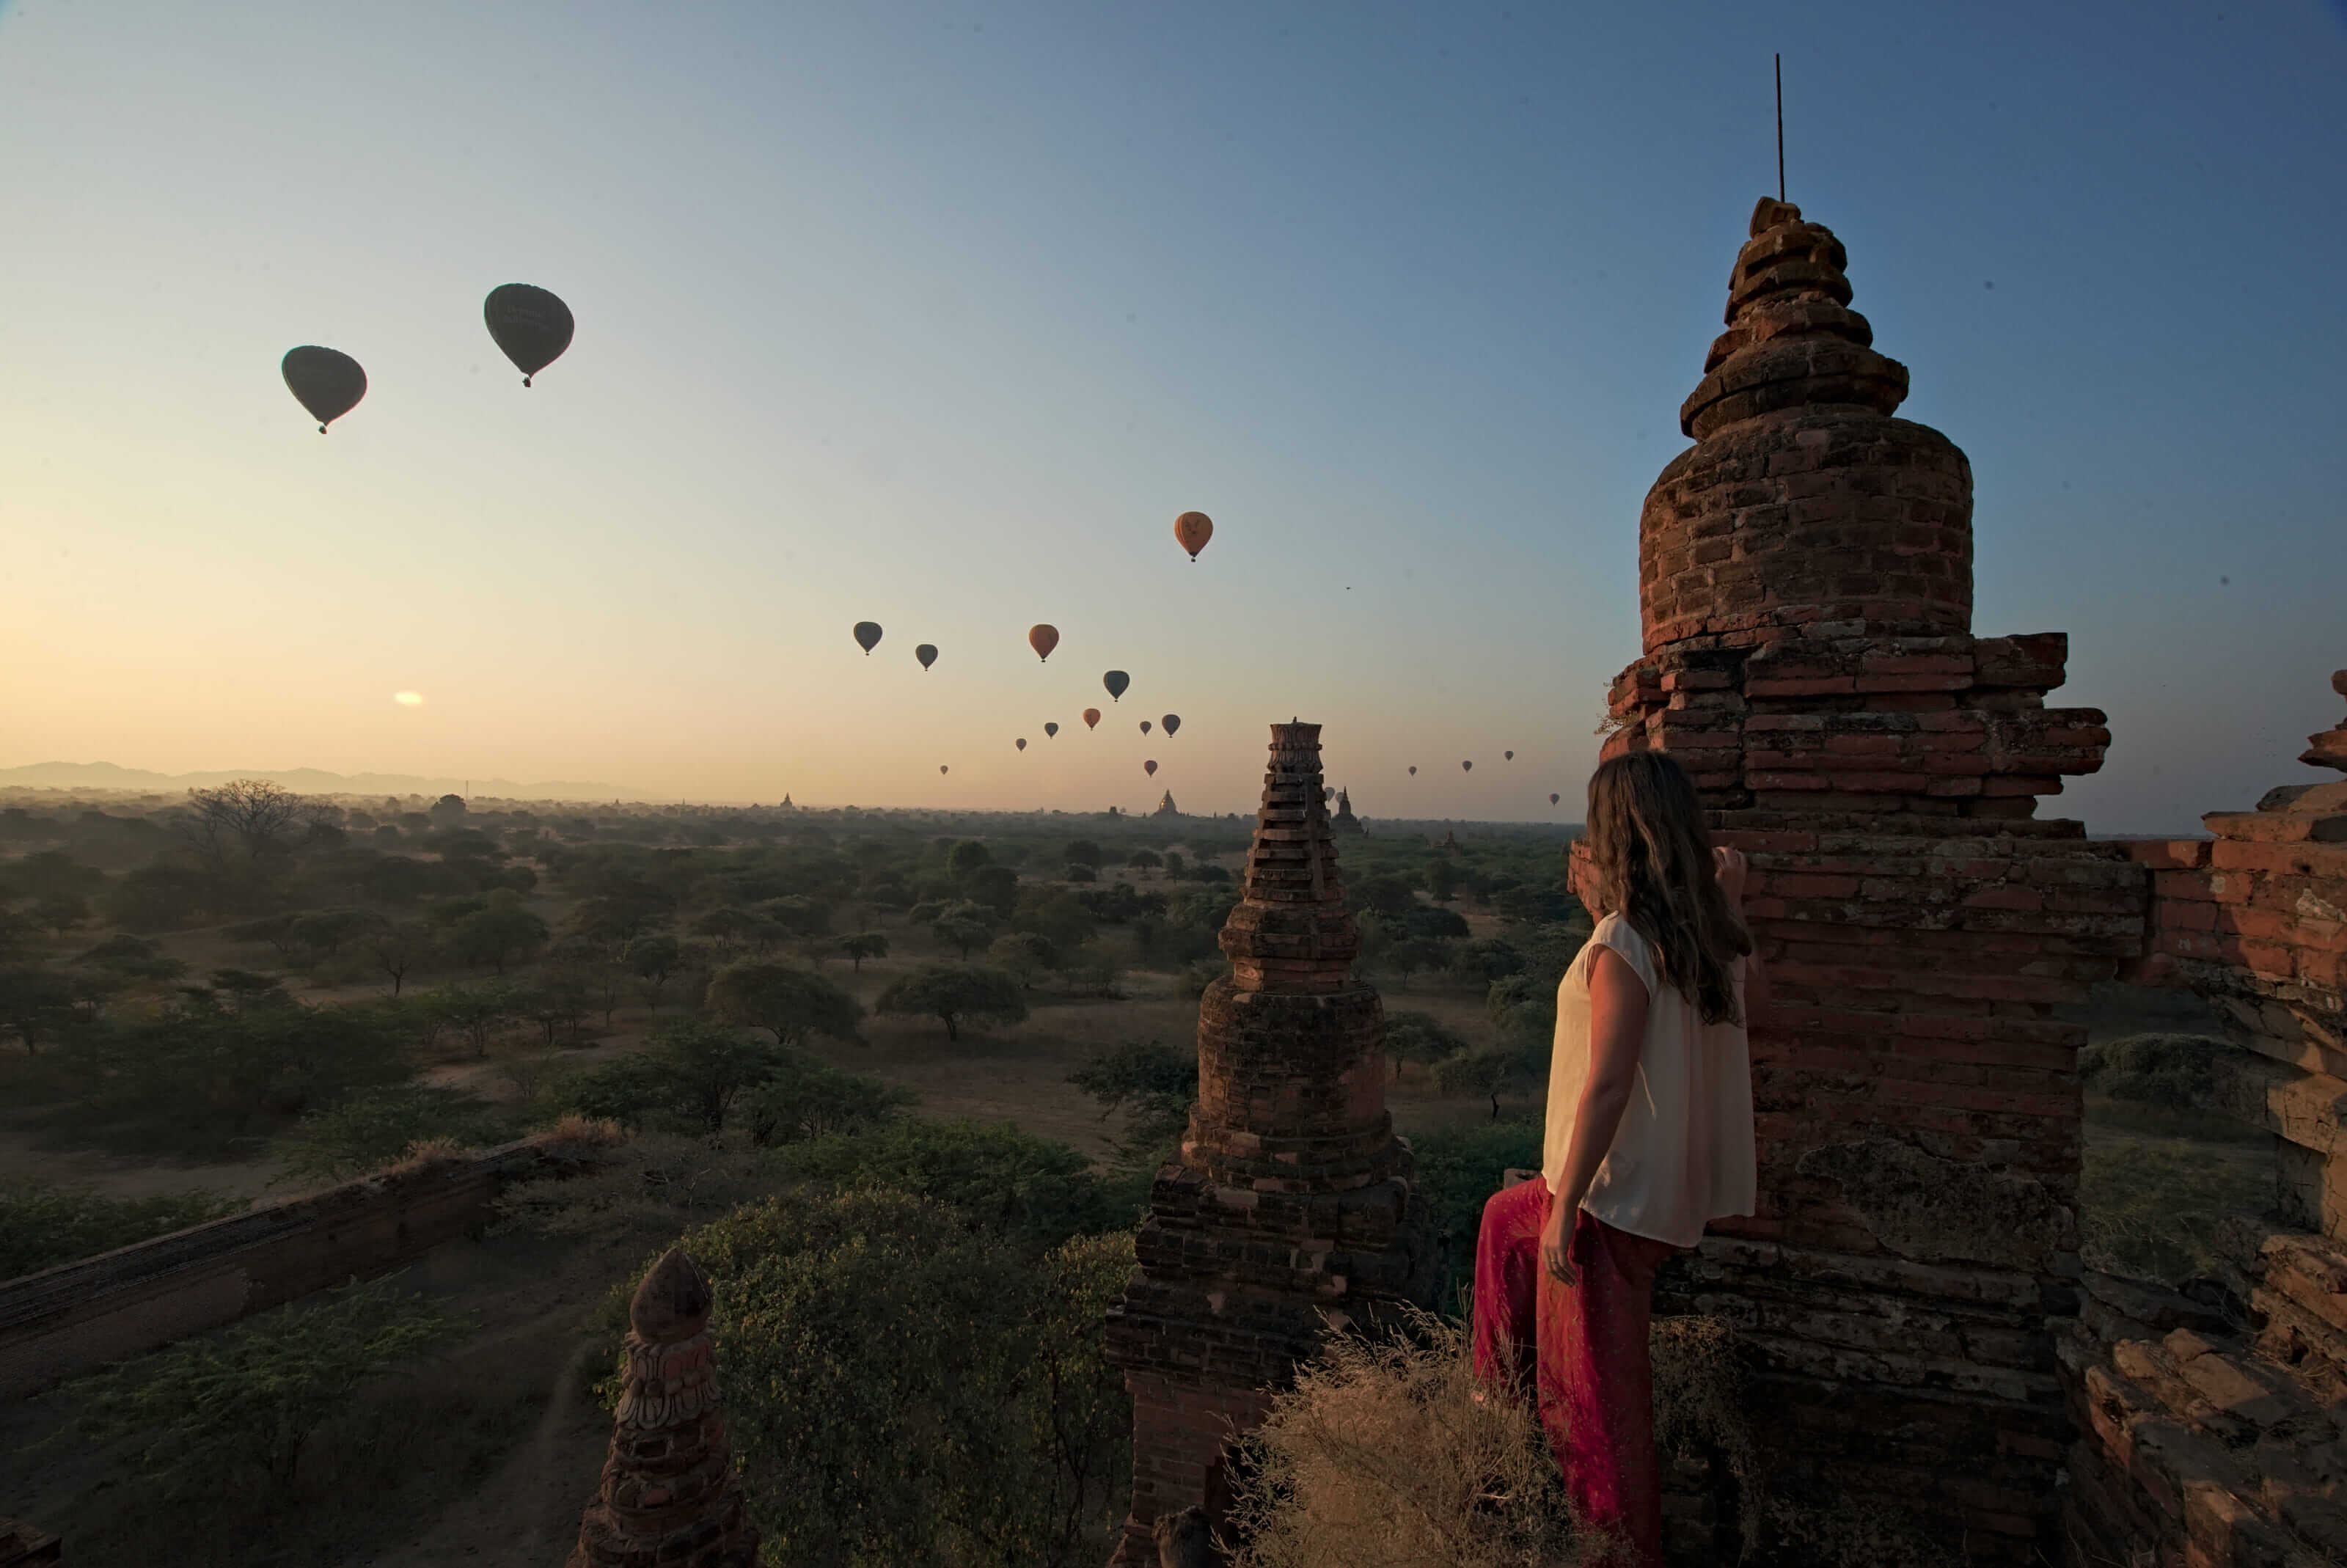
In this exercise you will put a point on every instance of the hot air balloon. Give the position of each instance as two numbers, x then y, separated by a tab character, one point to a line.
530	325
1413	772
328	381
1172	722
1091	718
1466	767
1022	743
1194	529
1552	799
927	653
867	636
1043	640
1116	680
1050	730
941	767
1507	757
1145	726
1150	768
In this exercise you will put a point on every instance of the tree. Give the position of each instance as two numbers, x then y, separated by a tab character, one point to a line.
1078	872
962	926
35	1003
710	1066
805	1098
59	913
953	993
1156	1083
994	888
1082	852
1025	954
733	924
790	1001
497	935
652	957
966	857
476	1012
862	946
448	811
251	818
1174	865
258	1389
1411	954
1144	860
1442	880
398	947
1487	959
377	1127
1384	894
1421	1037
1489	1070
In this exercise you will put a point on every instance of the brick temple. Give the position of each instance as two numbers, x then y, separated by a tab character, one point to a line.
1805	590
1290	1209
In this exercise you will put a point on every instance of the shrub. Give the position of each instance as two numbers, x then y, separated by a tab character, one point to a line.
42	1224
995	1177
2174	1071
805	1100
380	1126
1458	1168
1381	1456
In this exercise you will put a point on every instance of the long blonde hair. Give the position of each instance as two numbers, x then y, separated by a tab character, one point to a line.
1650	855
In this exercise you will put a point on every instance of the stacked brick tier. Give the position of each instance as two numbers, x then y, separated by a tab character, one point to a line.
1806	583
2225	1443
1290	1208
668	1497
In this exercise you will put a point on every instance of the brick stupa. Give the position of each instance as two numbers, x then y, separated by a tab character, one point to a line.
1290	1209
1805	577
668	1497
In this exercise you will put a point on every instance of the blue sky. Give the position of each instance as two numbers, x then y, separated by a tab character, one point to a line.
937	315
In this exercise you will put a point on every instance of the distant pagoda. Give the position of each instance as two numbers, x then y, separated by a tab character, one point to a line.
1345	824
1166	807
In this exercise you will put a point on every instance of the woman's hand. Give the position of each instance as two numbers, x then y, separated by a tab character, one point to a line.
1731	867
1556	1245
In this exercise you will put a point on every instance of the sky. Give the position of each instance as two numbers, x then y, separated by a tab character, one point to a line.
937	315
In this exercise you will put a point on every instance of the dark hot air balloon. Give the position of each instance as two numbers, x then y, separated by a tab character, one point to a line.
941	767
1466	767
328	381
867	636
1049	731
1413	772
1116	680
1194	529
1022	743
1043	640
1172	722
530	325
1150	768
1552	799
1145	726
927	653
1091	718
1507	757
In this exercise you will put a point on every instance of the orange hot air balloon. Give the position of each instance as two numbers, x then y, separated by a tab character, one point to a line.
1050	730
1091	718
867	636
1150	768
1552	799
1466	767
1022	743
1116	680
1043	640
1194	529
927	653
1170	722
1145	726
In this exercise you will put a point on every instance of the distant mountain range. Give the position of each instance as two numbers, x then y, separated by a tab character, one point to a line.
302	780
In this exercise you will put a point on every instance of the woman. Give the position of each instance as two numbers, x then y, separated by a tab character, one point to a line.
1649	1137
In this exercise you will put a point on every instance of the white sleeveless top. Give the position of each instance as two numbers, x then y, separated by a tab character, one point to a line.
1683	1155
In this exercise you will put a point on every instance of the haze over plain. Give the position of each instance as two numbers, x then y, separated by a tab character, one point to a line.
937	317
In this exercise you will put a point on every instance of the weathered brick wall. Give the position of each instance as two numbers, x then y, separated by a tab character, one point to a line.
2218	1438
1806	573
77	1316
1290	1208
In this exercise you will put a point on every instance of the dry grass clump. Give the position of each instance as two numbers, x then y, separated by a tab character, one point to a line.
1382	1457
426	1153
584	1132
1700	1404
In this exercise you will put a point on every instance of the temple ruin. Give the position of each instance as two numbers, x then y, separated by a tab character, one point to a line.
1805	588
1290	1209
668	1498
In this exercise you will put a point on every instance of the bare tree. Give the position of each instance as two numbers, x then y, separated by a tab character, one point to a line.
251	816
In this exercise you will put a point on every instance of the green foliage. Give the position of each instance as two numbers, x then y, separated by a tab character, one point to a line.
862	946
497	934
1419	1037
956	993
1441	879
806	1099
687	1078
903	1389
1155	1085
377	1127
1459	1169
1081	852
1495	1069
966	857
1524	1007
1026	954
42	1224
1487	959
1055	915
789	1001
2174	1071
993	1176
189	1412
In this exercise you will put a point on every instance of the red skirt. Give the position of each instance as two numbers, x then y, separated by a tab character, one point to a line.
1579	1352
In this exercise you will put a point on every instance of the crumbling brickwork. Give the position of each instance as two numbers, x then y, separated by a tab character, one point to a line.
1291	1206
1806	590
668	1497
2218	1437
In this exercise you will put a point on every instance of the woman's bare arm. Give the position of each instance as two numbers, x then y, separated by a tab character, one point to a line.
1617	1027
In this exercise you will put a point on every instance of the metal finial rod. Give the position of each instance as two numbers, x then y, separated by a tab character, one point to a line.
1780	127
